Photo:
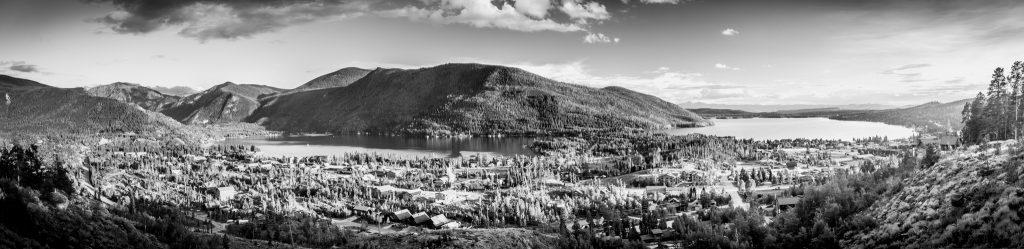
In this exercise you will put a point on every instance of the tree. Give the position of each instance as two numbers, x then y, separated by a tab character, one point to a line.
931	156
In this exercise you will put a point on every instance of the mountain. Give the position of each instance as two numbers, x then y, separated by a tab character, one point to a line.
973	197
454	99
224	103
132	93
180	91
30	107
932	116
340	78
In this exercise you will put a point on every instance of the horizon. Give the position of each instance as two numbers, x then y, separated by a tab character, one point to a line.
730	52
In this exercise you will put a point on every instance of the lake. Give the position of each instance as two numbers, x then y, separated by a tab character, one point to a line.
755	128
789	128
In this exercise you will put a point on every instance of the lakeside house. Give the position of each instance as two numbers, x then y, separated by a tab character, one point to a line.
420	218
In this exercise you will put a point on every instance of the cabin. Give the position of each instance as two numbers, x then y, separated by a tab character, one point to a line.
451	225
361	210
675	190
402	215
655	189
785	203
225	193
438	220
420	218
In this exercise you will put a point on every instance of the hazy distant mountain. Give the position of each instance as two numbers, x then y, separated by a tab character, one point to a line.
933	116
180	91
466	98
132	93
340	78
775	108
30	107
224	103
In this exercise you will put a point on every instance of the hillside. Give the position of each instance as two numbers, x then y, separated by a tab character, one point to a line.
344	77
456	99
145	97
971	198
31	107
933	116
224	103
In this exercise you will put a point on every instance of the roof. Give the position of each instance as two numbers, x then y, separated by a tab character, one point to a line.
788	201
420	217
362	208
403	214
438	220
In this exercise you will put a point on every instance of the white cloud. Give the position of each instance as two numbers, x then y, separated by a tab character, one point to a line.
660	1
730	32
599	38
481	14
533	8
724	66
581	11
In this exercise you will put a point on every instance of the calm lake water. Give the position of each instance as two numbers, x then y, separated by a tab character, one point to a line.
788	128
756	128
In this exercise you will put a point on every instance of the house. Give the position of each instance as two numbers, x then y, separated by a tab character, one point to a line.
676	190
360	210
403	214
438	220
420	218
657	232
646	238
225	193
451	225
785	203
768	192
655	189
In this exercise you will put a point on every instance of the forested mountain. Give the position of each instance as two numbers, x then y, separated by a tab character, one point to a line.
344	77
31	107
932	116
224	103
133	93
466	98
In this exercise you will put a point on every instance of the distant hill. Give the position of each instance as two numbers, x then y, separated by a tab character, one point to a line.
340	78
132	93
932	116
466	98
180	91
224	103
30	107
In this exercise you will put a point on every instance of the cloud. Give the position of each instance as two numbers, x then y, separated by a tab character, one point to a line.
908	72
480	14
730	32
660	1
231	19
724	66
19	66
599	38
581	11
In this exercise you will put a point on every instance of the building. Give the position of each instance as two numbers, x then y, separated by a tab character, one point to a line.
420	218
655	189
225	193
402	215
438	220
361	210
785	203
452	225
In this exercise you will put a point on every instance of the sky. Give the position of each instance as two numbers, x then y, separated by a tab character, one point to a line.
831	52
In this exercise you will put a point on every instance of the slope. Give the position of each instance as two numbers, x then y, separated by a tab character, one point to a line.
972	198
224	103
344	77
31	107
454	99
145	97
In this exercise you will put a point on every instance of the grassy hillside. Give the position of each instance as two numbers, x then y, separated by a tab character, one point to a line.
344	77
466	98
224	103
971	198
145	97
